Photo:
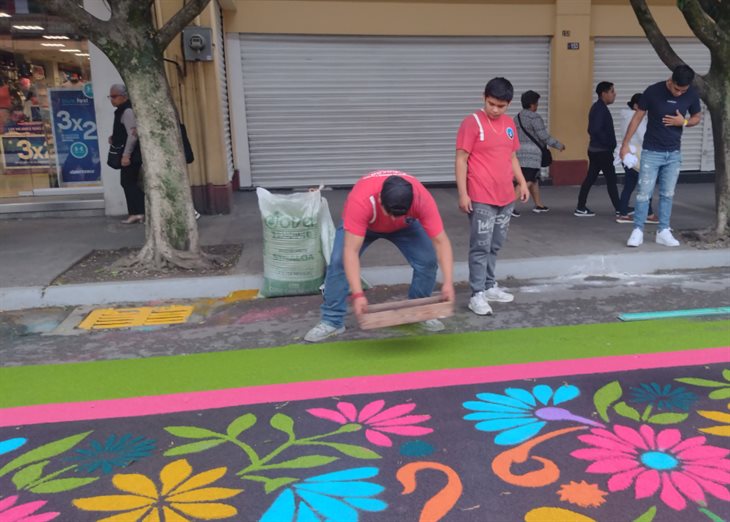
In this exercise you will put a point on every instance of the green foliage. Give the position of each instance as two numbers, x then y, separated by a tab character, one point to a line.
605	397
194	447
241	424
648	516
45	452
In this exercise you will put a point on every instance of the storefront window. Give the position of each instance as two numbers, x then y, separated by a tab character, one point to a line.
48	136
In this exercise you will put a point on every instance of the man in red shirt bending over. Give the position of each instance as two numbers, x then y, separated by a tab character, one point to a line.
391	205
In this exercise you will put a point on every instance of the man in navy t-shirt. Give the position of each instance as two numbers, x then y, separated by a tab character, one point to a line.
667	103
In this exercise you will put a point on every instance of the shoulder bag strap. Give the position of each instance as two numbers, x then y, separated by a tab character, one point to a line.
530	135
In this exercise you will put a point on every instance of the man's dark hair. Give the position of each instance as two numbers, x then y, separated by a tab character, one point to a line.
529	98
499	88
634	100
603	87
396	196
683	75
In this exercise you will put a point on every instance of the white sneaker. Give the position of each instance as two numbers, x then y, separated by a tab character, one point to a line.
636	238
322	331
666	238
479	305
197	214
432	325
498	295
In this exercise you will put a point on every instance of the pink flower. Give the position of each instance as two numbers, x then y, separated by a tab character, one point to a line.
651	462
378	421
9	512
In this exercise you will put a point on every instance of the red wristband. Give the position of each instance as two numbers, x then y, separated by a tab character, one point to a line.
356	295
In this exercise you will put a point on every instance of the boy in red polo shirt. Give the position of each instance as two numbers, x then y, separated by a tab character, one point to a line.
486	165
391	205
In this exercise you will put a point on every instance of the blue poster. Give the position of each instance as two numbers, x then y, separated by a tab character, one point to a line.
75	136
20	152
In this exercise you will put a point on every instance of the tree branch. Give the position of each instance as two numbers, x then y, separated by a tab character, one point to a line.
711	7
80	19
704	27
658	41
179	21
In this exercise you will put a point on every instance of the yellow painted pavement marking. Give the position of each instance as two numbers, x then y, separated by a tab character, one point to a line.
134	317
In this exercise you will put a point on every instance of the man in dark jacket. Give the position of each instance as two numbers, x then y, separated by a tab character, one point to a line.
600	150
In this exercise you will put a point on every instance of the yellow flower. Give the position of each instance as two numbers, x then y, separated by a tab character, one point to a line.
582	494
719	416
179	494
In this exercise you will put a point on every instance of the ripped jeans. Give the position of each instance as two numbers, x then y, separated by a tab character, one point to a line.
488	227
656	168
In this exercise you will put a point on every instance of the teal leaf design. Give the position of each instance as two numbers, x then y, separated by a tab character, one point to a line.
283	423
240	425
705	383
352	450
29	474
720	394
648	516
625	410
45	452
191	432
59	485
309	461
605	397
668	418
193	447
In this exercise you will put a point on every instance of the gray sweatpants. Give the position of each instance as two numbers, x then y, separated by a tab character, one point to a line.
488	227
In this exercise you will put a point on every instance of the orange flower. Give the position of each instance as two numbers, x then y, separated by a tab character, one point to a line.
582	494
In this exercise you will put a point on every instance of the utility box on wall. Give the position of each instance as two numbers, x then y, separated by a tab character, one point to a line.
197	44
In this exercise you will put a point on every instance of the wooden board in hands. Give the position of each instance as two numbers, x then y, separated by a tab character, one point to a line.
404	312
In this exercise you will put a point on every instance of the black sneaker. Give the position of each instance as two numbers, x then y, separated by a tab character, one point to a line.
515	213
585	212
539	210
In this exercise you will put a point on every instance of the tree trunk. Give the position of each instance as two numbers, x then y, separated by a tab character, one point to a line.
172	233
718	103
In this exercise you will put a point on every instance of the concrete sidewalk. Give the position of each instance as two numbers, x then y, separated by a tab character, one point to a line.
556	244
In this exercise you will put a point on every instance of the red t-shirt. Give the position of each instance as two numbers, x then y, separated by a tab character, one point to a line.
362	211
490	144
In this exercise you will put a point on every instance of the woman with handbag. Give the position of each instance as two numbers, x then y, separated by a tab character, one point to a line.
124	153
534	142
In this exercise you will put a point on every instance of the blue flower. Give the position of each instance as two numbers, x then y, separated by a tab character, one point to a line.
520	415
332	496
113	453
8	445
663	397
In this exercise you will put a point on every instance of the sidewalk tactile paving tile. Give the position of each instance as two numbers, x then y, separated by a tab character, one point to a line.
105	318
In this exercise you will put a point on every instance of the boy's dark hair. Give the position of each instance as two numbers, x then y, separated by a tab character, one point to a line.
683	75
603	87
529	98
634	100
499	88
396	196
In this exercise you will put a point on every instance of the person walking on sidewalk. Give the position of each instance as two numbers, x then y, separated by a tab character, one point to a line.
531	128
124	134
391	205
631	175
485	167
667	104
600	149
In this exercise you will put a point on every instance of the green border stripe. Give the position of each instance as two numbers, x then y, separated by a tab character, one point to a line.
27	385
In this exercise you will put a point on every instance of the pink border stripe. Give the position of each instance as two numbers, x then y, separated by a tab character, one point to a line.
189	401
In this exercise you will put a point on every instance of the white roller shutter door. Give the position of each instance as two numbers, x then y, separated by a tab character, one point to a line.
632	65
223	85
328	109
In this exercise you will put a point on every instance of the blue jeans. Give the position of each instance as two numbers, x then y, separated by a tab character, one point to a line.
631	178
414	244
662	168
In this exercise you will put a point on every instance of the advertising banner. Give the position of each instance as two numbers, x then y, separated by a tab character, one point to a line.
20	152
74	134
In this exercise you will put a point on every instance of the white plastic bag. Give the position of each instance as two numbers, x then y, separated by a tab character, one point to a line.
293	259
327	230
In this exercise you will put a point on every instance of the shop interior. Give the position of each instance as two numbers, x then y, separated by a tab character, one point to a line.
42	66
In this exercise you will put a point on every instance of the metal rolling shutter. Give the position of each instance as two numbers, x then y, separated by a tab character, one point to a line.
632	65
328	109
223	82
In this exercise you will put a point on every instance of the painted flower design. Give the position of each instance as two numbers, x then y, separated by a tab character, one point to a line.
582	494
377	421
663	397
332	496
11	511
114	452
677	469
8	445
520	415
179	496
